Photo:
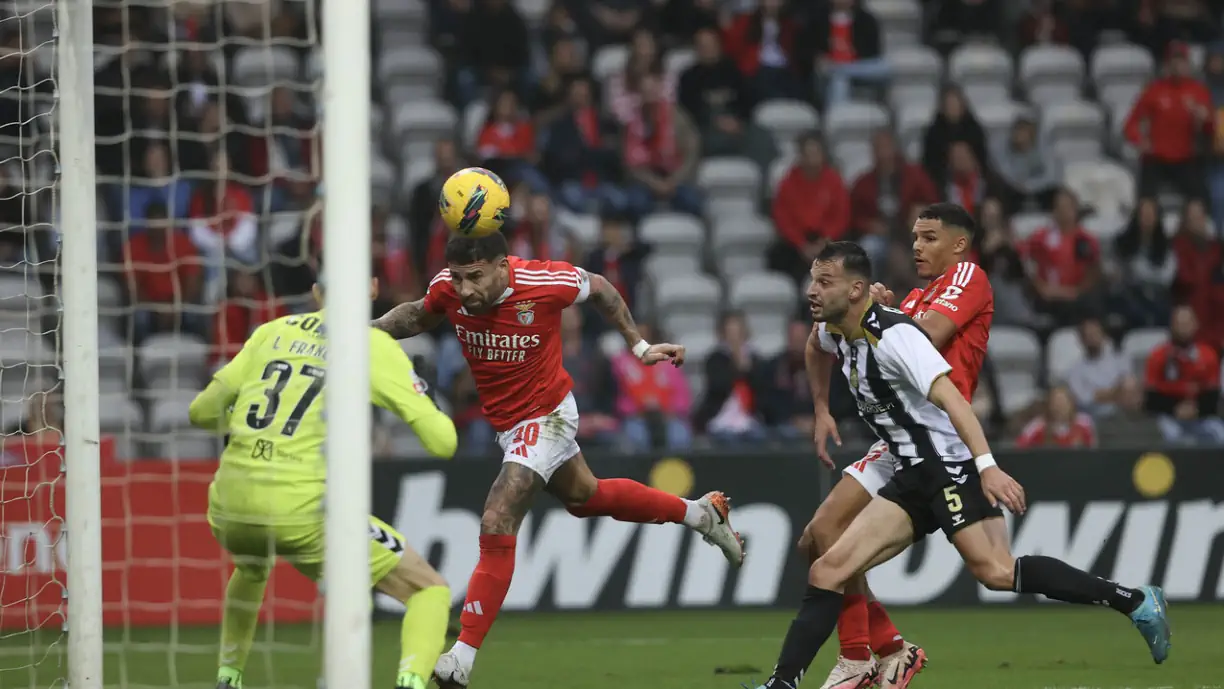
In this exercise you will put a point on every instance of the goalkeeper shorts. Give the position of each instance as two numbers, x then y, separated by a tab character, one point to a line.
257	546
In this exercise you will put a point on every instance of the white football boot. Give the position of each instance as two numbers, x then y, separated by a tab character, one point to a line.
716	530
898	670
853	674
449	671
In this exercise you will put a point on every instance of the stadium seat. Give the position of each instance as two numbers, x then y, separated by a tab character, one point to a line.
908	100
399	12
1105	186
732	266
180	356
1025	224
742	235
853	159
900	21
778	171
1073	129
1063	351
729	177
660	267
25	348
1105	228
678	60
1015	353
423	122
732	207
117	362
915	66
168	410
259	67
419	349
912	123
853	123
1138	344
410	65
474	117
769	301
583	227
786	119
609	60
413	172
672	233
997	118
382	176
1051	73
688	304
118	413
1123	64
188	445
534	12
982	65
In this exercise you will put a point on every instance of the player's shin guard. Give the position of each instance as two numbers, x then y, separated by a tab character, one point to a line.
487	588
239	618
423	632
629	501
885	639
1058	580
811	627
852	628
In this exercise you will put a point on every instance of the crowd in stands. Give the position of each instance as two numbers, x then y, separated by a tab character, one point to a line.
1098	195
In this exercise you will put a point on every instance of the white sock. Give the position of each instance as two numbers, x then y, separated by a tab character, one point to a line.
465	653
695	516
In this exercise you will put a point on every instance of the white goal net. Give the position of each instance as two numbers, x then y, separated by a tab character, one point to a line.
207	148
33	577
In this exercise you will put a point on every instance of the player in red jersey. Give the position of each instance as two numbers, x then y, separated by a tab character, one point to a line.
955	309
507	316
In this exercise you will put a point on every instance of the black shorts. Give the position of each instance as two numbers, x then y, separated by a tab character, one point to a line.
939	496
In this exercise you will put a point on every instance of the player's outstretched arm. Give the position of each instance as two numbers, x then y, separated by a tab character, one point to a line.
397	389
609	302
408	320
210	409
997	485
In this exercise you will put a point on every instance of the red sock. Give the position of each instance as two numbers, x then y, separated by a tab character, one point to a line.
629	501
885	639
852	628
487	588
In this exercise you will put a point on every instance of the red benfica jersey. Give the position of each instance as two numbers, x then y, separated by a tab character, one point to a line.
514	349
963	294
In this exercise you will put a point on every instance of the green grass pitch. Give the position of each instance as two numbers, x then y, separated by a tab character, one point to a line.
1050	647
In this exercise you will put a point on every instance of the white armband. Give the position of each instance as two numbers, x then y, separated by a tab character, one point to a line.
640	349
984	462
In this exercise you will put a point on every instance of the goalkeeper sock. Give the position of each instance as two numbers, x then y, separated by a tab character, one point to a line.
423	633
243	596
885	638
629	501
487	588
1058	580
852	628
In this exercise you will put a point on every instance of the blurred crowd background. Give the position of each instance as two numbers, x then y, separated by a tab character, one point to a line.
698	153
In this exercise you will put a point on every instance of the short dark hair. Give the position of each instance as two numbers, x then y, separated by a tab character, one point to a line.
465	250
951	216
853	258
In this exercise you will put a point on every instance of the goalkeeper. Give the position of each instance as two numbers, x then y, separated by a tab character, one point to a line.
266	499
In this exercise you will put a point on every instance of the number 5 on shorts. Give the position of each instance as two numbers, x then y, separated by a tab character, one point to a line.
953	499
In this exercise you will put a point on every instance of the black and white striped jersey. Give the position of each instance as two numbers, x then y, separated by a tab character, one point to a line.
891	365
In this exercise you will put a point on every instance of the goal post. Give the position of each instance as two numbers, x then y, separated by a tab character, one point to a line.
346	261
77	221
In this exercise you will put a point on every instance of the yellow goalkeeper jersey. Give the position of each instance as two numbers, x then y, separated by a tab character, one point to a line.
269	400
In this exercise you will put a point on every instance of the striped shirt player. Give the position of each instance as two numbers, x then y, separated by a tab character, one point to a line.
507	314
900	384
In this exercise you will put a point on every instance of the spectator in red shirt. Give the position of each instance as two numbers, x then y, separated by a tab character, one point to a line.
1060	425
538	235
662	149
846	43
763	45
653	402
1166	124
246	307
164	275
223	223
1064	264
1200	272
507	143
810	207
1183	384
881	197
969	183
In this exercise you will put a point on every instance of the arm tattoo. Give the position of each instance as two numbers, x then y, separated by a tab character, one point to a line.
408	319
612	306
509	499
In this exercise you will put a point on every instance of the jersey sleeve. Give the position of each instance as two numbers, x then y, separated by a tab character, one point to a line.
569	283
395	386
210	409
905	352
964	296
237	371
439	296
827	343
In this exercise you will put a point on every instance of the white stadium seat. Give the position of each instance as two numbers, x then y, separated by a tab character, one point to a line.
671	233
424	121
739	235
916	65
853	122
1051	73
1138	344
660	267
678	60
729	177
265	66
1074	130
980	64
413	65
1105	228
1016	355
1121	63
1025	224
900	21
609	60
179	356
1105	186
786	119
997	119
1063	352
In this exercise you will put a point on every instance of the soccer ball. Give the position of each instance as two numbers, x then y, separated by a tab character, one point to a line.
474	202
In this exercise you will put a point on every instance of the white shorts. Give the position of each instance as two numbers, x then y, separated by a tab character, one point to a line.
875	469
544	443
